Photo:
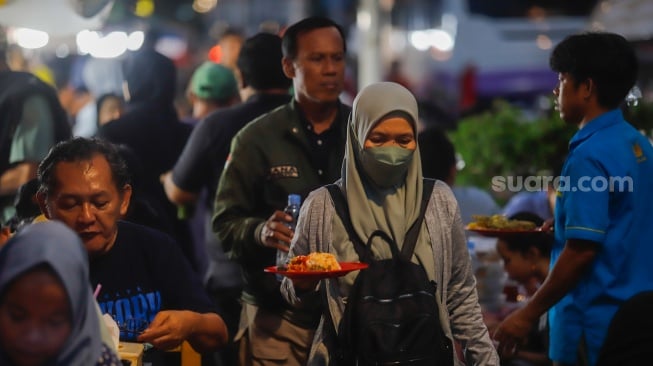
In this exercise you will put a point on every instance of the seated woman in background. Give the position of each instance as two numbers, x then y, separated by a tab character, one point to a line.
526	260
48	315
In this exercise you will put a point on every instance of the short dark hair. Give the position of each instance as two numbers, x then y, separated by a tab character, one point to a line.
437	153
259	62
522	243
231	32
80	149
606	58
290	36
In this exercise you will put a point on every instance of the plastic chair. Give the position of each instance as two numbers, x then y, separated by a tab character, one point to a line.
133	353
188	355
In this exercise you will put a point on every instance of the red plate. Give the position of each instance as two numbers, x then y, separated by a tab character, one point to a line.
500	233
345	267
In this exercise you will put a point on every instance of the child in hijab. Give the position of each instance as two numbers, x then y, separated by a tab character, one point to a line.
383	186
48	315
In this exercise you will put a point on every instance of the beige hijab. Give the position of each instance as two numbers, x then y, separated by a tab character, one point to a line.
392	210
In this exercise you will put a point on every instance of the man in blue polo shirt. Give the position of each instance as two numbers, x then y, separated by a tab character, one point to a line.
603	211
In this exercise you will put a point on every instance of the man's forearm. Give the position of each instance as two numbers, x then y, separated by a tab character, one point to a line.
209	333
239	235
574	261
15	177
175	194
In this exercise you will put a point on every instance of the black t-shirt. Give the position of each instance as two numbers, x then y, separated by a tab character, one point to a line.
143	273
323	143
202	161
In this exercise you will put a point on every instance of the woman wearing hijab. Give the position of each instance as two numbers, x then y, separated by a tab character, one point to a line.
48	315
382	184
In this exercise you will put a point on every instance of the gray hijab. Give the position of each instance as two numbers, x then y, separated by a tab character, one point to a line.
392	210
55	244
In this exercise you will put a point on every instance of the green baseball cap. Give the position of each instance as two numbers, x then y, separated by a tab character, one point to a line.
214	82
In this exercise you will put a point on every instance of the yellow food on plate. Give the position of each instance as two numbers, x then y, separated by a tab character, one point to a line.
313	262
499	222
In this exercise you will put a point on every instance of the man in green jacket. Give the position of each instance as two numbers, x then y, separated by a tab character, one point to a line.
291	150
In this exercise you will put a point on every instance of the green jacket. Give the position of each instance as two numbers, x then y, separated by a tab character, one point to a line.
269	159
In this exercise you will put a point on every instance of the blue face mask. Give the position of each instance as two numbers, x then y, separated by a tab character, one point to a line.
386	166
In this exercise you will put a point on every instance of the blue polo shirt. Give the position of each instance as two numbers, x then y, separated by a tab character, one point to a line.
605	196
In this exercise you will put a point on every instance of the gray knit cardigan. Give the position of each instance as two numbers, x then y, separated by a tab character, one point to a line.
461	314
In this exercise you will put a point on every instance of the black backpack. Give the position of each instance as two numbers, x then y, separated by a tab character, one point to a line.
391	316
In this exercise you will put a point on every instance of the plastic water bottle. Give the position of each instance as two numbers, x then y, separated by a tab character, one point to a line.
292	209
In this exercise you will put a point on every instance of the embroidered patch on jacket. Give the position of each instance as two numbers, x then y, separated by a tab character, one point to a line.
639	154
283	171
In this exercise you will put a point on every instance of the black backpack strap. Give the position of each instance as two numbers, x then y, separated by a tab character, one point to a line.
341	354
342	209
410	240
